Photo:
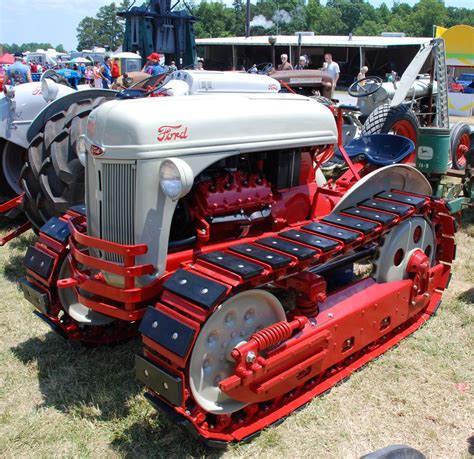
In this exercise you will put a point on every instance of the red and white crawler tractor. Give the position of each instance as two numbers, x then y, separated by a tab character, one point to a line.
255	283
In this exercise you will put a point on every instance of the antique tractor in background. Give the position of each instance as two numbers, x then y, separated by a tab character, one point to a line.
36	150
43	171
40	157
210	229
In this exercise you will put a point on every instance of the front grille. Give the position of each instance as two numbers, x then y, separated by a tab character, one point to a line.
117	183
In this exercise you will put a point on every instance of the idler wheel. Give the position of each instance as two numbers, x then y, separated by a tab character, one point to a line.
233	323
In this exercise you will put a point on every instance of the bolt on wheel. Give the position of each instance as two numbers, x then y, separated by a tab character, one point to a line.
398	247
231	325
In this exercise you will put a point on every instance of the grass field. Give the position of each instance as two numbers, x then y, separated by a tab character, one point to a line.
60	399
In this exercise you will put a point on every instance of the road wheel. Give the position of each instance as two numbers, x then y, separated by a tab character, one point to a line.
53	177
399	120
461	141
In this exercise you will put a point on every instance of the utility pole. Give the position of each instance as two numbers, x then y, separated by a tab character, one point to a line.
247	20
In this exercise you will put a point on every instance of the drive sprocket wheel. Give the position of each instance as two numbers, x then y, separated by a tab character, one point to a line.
398	246
53	176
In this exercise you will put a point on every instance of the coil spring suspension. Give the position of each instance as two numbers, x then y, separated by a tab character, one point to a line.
308	308
272	335
269	336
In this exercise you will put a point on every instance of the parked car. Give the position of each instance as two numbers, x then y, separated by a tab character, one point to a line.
467	80
454	85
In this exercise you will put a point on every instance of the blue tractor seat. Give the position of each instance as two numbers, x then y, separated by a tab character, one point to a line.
379	149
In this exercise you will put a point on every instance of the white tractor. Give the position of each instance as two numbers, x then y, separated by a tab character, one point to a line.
36	153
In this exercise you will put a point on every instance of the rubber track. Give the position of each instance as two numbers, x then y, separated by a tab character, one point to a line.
53	176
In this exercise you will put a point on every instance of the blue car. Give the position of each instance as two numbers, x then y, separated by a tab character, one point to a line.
467	80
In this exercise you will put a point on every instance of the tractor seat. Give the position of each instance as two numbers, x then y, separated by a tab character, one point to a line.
379	149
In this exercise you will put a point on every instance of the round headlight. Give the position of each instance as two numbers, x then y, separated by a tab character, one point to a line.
9	91
81	149
49	89
176	178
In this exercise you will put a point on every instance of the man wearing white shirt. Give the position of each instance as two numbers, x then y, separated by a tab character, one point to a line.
333	70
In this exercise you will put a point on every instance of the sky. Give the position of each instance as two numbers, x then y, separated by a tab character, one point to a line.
55	21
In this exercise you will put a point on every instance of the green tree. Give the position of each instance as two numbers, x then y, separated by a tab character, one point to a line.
88	33
215	20
383	14
105	29
240	17
111	26
353	13
371	28
457	16
323	20
427	13
60	49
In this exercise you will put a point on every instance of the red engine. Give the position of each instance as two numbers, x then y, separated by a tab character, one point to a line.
242	194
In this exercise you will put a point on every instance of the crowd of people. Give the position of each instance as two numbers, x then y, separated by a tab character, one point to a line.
104	74
96	74
329	66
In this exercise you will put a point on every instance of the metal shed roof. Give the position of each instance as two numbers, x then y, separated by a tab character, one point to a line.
317	41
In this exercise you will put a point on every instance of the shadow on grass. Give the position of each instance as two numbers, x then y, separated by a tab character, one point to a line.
94	383
467	221
99	384
467	296
159	437
14	269
24	241
8	223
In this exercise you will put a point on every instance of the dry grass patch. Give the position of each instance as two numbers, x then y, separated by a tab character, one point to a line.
60	399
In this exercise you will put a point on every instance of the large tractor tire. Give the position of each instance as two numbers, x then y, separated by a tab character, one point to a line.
53	176
399	120
462	140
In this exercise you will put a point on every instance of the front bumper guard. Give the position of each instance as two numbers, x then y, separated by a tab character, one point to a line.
127	303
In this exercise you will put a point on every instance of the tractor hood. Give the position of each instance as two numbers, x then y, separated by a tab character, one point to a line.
178	126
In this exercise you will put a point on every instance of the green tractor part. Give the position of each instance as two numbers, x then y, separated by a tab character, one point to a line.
432	153
155	27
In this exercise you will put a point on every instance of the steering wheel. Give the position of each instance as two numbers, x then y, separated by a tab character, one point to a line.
358	89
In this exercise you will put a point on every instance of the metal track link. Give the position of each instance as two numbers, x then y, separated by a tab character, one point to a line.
217	276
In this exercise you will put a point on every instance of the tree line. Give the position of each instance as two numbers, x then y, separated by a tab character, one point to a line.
285	17
281	17
16	48
337	17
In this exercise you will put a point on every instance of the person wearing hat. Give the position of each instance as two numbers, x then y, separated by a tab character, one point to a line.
18	72
302	64
152	66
